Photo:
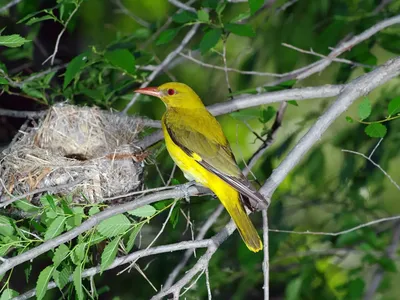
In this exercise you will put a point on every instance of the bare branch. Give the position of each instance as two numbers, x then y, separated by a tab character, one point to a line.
375	164
119	261
368	224
339	60
53	56
204	229
182	5
271	137
4	201
23	114
165	62
134	17
355	89
265	265
323	63
10	4
379	272
93	221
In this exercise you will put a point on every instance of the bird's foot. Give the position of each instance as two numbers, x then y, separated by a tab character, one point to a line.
185	189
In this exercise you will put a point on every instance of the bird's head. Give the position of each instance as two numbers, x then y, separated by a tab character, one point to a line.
174	94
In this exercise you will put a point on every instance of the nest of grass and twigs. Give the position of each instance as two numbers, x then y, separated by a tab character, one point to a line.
90	153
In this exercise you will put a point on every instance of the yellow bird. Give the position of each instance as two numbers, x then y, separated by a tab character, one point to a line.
197	144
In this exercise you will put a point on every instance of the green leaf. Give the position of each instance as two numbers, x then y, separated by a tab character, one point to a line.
62	277
114	226
60	254
144	211
387	264
6	227
293	102
255	5
34	93
246	114
132	237
167	36
267	114
74	67
40	19
77	278
376	130
50	200
123	59
221	7
356	289
78	254
42	282
203	16
394	106
55	228
94	210
3	80
209	40
25	205
109	254
27	271
184	17
364	109
12	41
349	119
293	289
240	17
8	294
240	29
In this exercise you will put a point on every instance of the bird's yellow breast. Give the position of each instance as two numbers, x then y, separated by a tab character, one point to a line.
195	171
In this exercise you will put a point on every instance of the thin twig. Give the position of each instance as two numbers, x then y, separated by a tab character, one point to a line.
53	56
119	261
367	224
265	265
182	5
377	276
271	137
155	238
93	221
165	62
4	201
340	60
376	165
10	4
202	232
134	17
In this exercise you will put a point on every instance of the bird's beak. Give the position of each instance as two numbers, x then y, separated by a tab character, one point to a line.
152	91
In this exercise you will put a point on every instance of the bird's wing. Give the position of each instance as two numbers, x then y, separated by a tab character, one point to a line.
208	146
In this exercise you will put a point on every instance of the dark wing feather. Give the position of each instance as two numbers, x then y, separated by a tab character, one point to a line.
215	156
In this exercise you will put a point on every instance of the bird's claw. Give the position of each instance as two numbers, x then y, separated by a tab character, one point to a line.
185	189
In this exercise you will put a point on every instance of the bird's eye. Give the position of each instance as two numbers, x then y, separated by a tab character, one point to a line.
171	92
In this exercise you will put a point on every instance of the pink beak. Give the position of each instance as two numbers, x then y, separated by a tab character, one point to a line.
152	91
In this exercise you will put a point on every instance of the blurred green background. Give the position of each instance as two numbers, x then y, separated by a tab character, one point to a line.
329	191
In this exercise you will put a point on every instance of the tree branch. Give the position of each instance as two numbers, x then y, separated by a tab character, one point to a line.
355	89
119	261
93	221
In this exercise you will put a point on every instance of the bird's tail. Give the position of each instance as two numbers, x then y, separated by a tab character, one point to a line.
243	223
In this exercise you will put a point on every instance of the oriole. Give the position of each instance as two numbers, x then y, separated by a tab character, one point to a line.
197	144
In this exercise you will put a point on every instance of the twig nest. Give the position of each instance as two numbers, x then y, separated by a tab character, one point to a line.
90	152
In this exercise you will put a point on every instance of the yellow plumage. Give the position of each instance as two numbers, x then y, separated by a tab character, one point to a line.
198	146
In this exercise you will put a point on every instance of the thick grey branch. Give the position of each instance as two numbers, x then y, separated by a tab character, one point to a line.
91	222
355	89
119	261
